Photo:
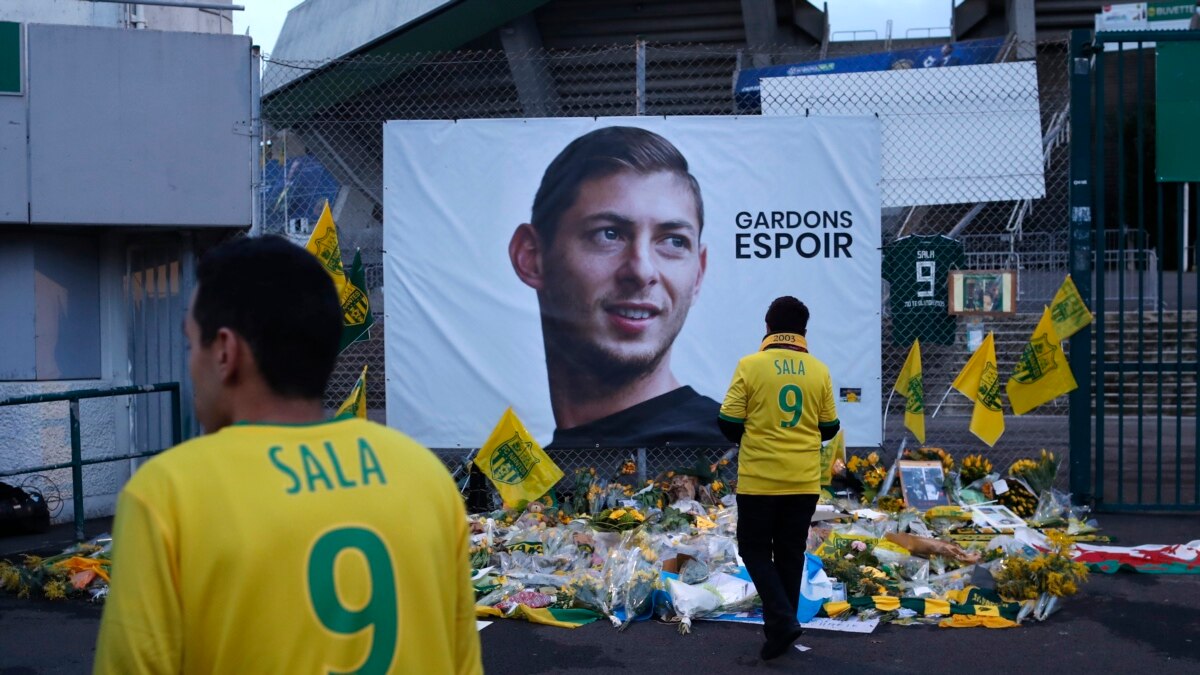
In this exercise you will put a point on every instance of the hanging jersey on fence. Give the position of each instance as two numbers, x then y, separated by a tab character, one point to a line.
917	267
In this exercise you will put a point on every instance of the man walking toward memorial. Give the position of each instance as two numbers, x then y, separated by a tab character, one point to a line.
279	542
779	408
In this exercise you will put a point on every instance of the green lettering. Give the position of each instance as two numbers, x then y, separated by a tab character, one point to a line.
284	468
313	470
369	462
778	370
337	467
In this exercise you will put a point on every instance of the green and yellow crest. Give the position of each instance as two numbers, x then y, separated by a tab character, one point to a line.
513	460
1036	360
915	401
989	388
1068	308
328	252
354	306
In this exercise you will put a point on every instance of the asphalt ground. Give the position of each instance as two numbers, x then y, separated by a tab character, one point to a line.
1117	623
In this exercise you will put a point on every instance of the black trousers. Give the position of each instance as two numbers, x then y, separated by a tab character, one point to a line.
772	534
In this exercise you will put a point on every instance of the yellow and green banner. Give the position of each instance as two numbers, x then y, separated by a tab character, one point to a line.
515	463
352	290
911	386
356	403
1043	373
980	382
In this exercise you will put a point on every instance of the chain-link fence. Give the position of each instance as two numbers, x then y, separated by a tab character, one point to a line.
323	140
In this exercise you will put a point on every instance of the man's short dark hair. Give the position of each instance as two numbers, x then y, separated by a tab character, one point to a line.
787	315
279	298
599	154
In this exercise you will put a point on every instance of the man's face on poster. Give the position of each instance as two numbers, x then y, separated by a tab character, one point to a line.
622	271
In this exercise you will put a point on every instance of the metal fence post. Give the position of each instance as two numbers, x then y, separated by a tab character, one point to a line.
641	77
76	470
1081	262
176	416
641	467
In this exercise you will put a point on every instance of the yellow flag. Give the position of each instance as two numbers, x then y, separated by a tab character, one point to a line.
1043	373
352	293
515	463
1068	310
356	403
980	382
911	386
323	243
832	451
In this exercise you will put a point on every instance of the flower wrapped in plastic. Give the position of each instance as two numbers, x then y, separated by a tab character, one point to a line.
1037	474
618	519
587	590
1042	581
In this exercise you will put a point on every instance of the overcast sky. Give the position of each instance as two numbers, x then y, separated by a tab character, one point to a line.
264	18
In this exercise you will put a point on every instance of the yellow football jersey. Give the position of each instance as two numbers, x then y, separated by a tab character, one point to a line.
332	547
783	396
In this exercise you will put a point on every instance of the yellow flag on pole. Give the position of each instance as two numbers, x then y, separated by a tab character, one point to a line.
356	403
911	386
980	382
1068	310
515	463
323	243
1043	373
352	293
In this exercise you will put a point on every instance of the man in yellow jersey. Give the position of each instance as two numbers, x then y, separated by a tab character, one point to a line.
281	541
779	408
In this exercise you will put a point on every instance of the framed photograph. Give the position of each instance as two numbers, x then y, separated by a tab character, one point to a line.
922	483
983	292
998	517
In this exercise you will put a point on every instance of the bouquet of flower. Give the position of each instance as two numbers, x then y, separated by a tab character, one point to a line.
1019	500
931	454
853	562
583	489
618	520
81	569
1038	474
974	467
1046	578
640	578
653	496
724	479
869	471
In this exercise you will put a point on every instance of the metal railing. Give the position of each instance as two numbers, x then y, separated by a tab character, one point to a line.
77	461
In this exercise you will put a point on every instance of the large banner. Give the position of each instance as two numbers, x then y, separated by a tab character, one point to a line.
604	276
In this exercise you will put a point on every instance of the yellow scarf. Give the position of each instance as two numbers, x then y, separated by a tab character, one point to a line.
793	341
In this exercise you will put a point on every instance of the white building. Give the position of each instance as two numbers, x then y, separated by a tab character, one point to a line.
127	146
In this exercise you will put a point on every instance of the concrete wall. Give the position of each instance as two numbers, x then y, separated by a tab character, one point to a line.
39	434
139	127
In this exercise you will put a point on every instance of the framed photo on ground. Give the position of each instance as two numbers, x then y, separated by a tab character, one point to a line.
983	292
997	516
922	483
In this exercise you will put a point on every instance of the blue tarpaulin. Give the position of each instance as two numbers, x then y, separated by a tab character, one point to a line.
967	53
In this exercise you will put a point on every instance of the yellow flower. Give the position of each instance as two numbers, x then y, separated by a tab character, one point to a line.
637	515
724	462
873	458
55	590
717	485
617	514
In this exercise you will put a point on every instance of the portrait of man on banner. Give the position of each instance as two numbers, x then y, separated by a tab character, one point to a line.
614	251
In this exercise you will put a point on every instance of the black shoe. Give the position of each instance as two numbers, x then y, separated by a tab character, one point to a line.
776	647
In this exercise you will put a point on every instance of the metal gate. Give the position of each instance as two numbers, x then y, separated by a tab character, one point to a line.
1133	227
158	285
